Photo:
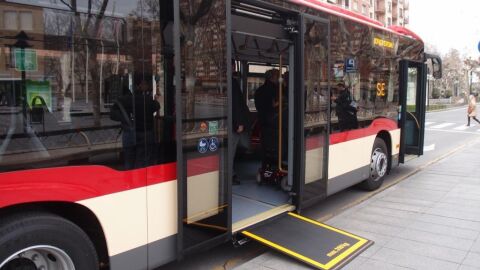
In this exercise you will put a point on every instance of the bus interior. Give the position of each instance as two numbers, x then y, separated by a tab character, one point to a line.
261	178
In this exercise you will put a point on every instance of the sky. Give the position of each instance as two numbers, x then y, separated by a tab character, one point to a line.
447	24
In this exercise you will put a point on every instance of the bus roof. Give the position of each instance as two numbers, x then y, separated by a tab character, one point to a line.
338	11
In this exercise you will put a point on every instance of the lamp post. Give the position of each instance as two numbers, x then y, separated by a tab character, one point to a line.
22	43
455	87
471	73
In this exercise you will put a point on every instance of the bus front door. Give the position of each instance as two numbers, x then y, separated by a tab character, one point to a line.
412	112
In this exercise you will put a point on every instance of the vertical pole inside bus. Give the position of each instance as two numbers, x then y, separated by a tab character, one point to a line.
280	117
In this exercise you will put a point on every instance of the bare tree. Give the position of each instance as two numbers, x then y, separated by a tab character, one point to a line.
84	28
453	73
213	43
191	12
471	66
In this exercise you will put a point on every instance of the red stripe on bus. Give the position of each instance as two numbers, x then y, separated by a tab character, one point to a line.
161	173
76	183
374	128
68	184
203	165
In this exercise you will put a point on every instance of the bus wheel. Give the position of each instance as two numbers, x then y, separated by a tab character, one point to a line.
43	241
378	165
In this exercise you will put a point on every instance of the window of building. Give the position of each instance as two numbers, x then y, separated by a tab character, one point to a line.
355	5
364	9
10	20
26	20
401	12
347	3
371	15
389	22
389	6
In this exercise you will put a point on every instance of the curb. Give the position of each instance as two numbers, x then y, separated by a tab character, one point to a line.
448	109
398	180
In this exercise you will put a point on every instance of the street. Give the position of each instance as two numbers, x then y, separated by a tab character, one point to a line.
446	133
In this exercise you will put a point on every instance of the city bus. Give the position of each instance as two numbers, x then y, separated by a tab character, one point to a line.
117	144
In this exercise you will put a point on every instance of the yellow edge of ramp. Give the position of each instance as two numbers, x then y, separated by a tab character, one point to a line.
361	242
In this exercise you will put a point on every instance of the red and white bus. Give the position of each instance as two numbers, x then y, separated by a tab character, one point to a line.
116	132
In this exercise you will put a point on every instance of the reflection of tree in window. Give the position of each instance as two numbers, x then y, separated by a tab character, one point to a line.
89	34
203	47
315	58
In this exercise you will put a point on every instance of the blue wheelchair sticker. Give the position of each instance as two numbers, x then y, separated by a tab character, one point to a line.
213	144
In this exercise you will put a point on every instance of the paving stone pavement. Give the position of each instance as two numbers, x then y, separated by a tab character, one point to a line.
430	220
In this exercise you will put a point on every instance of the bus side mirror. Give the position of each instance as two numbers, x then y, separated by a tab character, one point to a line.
437	67
436	62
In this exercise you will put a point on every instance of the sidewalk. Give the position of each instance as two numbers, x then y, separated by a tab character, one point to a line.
431	220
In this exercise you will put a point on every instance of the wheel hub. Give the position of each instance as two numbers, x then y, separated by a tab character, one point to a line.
39	258
378	165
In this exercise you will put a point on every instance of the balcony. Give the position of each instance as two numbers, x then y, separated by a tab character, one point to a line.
395	12
380	7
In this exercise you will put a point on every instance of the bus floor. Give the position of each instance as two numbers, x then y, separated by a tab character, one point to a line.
249	198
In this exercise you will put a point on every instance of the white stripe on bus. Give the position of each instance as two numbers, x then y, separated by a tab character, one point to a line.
123	215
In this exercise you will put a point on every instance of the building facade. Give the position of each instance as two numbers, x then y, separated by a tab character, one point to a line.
388	12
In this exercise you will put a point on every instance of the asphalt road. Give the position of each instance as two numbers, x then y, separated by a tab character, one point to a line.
446	132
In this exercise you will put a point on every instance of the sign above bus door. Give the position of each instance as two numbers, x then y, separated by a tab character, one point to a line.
383	42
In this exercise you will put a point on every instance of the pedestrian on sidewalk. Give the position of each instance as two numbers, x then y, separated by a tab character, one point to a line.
472	108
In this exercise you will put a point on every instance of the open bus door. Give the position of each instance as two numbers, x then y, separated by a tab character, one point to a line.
413	78
202	113
314	243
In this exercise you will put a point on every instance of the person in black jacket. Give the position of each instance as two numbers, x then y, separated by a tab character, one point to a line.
240	119
345	109
266	102
135	112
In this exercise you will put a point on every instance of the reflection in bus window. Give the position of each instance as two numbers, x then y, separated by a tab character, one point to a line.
366	65
66	71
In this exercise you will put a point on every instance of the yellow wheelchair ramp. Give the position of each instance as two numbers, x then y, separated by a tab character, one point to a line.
309	241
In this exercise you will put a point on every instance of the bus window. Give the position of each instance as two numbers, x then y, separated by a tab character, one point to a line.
77	87
364	77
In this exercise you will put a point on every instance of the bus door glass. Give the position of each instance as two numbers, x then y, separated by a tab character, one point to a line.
315	80
202	121
412	115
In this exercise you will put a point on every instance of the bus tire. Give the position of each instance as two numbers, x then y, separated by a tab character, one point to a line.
44	241
378	165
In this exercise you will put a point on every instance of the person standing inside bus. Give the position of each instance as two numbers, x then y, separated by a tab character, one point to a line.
240	119
266	103
472	108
